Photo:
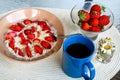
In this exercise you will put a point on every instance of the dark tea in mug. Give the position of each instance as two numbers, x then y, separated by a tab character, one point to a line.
78	50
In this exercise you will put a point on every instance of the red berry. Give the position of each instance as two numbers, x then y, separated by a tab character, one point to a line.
46	28
27	21
42	23
20	53
21	36
21	25
38	33
10	35
96	7
11	43
45	44
28	51
95	29
15	49
94	14
85	26
104	20
25	42
27	31
16	28
36	40
33	29
31	36
83	15
49	38
94	22
38	49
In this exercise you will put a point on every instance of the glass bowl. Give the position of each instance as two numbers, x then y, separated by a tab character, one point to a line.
86	6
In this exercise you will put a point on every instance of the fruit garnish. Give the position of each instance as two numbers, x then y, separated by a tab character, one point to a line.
28	51
20	53
38	49
11	43
46	28
36	40
16	28
83	15
10	35
45	44
27	21
49	38
22	36
42	23
31	36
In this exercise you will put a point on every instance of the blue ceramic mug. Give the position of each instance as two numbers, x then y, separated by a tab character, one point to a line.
77	64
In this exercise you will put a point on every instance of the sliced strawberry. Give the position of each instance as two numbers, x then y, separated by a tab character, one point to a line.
20	53
42	23
21	25
28	51
49	38
38	49
46	28
36	40
31	36
38	33
11	43
27	21
16	28
21	36
49	32
25	42
35	21
10	35
33	29
45	44
27	31
15	49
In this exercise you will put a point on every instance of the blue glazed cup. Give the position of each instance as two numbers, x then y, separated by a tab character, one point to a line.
78	67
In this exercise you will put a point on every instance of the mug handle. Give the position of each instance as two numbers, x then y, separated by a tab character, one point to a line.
91	69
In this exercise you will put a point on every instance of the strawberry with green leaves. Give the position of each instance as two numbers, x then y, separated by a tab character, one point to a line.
83	15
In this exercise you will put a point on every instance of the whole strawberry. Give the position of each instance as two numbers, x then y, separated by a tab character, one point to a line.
95	29
85	26
96	7
94	22
104	20
83	15
95	14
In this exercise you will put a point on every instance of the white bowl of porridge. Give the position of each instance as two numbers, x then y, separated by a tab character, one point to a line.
26	34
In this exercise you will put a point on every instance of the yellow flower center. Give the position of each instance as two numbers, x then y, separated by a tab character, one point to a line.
107	47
